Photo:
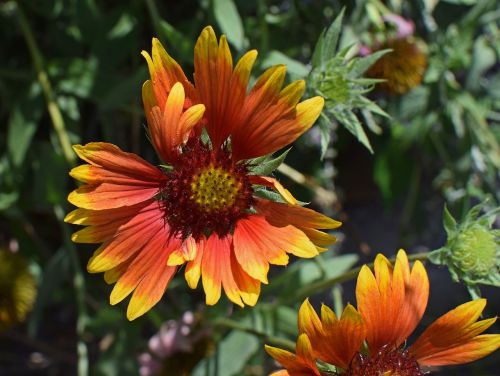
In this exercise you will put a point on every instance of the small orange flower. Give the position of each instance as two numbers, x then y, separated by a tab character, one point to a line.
391	303
201	207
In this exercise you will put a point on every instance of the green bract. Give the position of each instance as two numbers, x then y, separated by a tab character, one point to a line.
472	250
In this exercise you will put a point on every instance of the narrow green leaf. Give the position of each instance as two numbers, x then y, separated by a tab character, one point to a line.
318	51
351	122
438	256
331	38
229	20
325	129
362	64
273	196
267	167
22	127
449	223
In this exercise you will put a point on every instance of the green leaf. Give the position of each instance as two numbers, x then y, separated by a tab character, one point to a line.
294	67
229	20
124	25
176	40
351	122
126	91
334	266
267	166
266	193
449	223
233	353
327	42
361	65
8	199
22	127
325	128
79	77
438	256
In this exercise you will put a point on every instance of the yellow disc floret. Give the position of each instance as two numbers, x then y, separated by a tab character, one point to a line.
214	188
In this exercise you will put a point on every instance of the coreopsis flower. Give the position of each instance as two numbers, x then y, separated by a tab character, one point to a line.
402	68
391	303
205	206
177	347
17	289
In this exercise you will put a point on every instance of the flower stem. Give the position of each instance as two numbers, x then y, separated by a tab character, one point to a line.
79	286
324	196
223	322
43	80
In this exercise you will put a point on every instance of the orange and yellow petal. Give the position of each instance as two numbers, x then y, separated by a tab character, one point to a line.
249	288
127	240
211	267
271	118
110	196
114	178
391	300
258	244
416	295
151	288
151	256
102	217
186	253
193	267
165	72
302	363
169	129
219	270
117	222
471	350
111	158
447	340
114	274
349	333
309	322
213	67
282	214
307	220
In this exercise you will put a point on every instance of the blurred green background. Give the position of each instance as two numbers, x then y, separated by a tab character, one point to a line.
71	72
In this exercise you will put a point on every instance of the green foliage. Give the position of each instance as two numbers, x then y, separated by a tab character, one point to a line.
440	138
472	251
337	76
232	355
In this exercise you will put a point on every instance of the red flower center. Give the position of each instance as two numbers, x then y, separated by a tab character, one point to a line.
205	192
387	362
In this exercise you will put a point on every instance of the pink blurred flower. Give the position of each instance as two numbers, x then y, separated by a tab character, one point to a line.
174	337
404	27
